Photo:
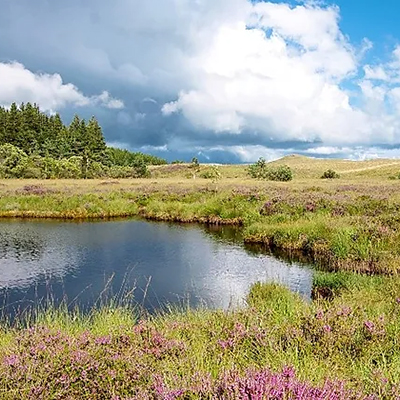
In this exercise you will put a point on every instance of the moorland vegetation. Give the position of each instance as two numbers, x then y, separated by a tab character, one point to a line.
343	343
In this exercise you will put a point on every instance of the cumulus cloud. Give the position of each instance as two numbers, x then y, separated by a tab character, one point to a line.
247	78
18	84
278	70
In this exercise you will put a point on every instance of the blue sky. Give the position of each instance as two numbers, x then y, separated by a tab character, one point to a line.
200	77
377	20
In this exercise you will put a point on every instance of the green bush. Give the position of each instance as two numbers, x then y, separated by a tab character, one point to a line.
118	172
260	170
13	161
140	169
330	174
67	169
283	173
212	173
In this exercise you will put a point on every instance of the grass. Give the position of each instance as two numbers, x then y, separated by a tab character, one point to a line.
344	343
345	224
279	343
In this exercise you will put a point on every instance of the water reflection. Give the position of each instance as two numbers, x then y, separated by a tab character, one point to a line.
25	246
161	263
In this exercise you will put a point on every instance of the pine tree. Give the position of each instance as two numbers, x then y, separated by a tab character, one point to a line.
95	141
12	124
3	116
30	128
76	136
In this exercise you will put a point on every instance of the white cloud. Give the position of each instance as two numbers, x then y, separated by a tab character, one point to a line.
375	72
265	70
281	71
248	154
324	150
105	100
284	84
18	84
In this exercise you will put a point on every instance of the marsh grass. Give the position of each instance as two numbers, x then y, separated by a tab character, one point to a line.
350	225
279	342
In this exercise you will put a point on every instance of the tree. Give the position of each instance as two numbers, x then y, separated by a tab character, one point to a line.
41	145
95	143
140	169
195	166
12	125
13	161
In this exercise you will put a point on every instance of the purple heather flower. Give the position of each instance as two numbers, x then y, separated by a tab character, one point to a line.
327	328
11	360
226	344
103	340
288	372
369	325
319	315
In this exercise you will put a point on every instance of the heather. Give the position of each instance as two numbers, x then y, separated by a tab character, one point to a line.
278	347
340	225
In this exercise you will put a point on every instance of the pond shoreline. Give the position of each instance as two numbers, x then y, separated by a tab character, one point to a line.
338	233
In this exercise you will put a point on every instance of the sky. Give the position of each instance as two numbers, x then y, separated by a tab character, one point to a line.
222	80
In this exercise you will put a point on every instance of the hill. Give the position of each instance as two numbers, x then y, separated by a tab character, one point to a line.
309	167
303	168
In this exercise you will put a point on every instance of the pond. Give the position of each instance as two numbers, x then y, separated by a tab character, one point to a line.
158	264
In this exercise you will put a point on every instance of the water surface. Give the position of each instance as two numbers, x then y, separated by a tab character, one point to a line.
157	263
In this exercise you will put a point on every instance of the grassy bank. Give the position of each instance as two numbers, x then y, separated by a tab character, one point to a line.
279	347
344	224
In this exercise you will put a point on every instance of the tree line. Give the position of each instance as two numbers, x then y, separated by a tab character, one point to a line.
34	144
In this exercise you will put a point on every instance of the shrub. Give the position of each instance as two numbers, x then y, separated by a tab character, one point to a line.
96	170
212	173
195	166
13	161
260	170
118	172
140	169
283	173
33	173
330	174
67	169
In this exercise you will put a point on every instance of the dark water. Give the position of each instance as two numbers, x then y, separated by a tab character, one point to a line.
157	263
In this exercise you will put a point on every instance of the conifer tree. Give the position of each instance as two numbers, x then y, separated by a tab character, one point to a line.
96	144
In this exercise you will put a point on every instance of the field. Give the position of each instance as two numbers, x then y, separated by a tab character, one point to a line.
344	344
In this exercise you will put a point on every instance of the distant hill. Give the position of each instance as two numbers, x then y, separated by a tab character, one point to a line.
309	167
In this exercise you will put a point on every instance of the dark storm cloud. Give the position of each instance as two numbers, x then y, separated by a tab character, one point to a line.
129	48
